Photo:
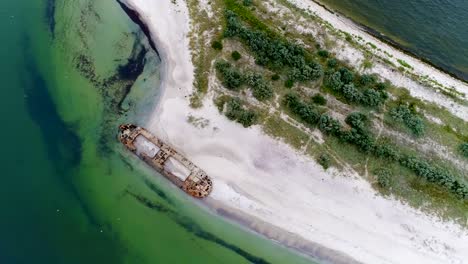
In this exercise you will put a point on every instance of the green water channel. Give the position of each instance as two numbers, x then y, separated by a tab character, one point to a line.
72	71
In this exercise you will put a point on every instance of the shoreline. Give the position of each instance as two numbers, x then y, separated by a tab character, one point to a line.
292	195
423	81
389	41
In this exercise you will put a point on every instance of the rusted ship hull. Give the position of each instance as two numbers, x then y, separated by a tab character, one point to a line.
166	160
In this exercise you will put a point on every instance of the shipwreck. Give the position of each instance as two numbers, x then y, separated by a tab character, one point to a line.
166	160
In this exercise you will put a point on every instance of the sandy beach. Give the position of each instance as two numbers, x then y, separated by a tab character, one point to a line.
278	192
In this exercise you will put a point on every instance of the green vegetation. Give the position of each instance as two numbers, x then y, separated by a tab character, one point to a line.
324	160
418	177
236	55
277	127
319	99
384	177
217	45
323	53
289	83
332	63
409	118
404	64
235	110
464	149
361	90
364	141
261	89
233	79
273	51
247	2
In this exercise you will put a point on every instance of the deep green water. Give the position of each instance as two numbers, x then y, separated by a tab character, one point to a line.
436	30
71	71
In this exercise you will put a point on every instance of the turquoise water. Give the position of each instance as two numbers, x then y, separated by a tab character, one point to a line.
432	29
70	193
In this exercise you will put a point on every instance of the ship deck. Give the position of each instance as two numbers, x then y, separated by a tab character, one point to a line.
166	160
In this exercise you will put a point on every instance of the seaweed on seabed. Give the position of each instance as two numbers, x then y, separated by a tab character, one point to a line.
158	191
50	16
194	228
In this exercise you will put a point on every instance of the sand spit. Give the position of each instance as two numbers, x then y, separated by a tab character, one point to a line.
420	68
272	189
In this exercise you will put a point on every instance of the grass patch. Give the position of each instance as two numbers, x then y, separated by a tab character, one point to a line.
278	128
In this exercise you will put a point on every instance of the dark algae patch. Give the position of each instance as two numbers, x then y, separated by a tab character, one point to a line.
50	16
194	228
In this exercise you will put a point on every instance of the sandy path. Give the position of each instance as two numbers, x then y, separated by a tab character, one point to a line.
266	179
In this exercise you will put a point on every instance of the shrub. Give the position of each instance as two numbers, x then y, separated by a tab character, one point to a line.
324	160
217	45
329	125
235	55
247	2
381	86
332	63
319	99
351	93
289	83
235	111
231	77
275	77
357	120
347	76
403	114
323	53
333	81
386	151
261	89
464	149
367	79
273	51
306	112
371	97
384	177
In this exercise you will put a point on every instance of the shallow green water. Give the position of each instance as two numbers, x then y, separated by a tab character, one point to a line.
70	193
433	29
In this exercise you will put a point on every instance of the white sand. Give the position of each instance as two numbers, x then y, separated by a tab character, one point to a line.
267	179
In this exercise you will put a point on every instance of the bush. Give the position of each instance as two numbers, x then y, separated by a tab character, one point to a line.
347	76
306	112
357	120
329	125
464	149
332	63
333	81
323	53
247	2
351	93
384	177
403	114
367	79
217	45
386	151
371	97
235	111
261	89
275	77
319	99
273	51
289	83
235	55
232	78
324	160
